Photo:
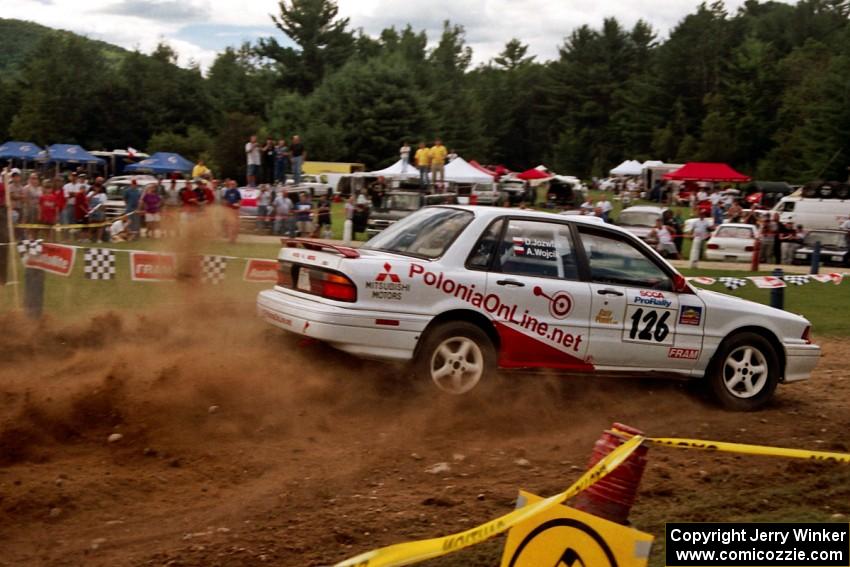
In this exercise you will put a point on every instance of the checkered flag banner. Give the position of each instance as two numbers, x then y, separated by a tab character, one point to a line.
30	247
212	269
732	283
99	264
797	280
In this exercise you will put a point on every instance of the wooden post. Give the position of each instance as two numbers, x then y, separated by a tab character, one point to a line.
12	244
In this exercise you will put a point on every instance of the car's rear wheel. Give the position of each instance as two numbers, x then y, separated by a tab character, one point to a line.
745	372
455	357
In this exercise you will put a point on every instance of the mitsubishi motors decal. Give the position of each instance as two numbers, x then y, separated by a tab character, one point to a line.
526	340
387	285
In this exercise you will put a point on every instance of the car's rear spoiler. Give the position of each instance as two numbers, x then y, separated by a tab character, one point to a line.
344	251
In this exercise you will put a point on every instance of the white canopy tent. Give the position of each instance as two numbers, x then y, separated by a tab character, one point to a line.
652	163
395	170
628	167
460	171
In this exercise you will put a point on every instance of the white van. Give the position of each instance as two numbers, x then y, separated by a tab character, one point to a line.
813	213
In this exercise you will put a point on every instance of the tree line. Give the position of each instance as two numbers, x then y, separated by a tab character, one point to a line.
766	89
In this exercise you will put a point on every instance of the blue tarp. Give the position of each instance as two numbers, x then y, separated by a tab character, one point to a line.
19	150
162	162
68	153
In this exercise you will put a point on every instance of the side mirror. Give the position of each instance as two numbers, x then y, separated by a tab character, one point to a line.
680	284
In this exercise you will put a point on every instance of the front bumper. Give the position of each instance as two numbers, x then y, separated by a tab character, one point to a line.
800	360
354	331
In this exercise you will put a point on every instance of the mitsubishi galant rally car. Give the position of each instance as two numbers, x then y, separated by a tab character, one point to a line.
458	292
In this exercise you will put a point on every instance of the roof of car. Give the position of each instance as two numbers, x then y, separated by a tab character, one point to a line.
645	209
492	212
737	225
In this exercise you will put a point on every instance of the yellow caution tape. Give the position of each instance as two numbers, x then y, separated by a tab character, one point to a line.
415	551
742	448
61	226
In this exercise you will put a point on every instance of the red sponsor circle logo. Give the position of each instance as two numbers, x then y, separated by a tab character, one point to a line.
388	273
683	353
153	267
54	258
260	271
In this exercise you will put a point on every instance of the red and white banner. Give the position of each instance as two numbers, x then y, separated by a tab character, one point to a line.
767	282
835	278
702	280
260	270
53	258
153	266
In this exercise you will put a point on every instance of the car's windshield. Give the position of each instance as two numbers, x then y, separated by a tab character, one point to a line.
426	233
638	218
734	232
402	202
826	239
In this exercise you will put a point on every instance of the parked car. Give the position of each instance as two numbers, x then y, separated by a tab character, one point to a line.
640	220
813	214
833	248
313	183
459	291
514	190
398	204
732	242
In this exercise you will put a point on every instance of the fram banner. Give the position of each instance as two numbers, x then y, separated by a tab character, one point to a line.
260	270
767	282
153	266
53	258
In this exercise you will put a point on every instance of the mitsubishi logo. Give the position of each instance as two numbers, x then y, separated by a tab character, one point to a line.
388	271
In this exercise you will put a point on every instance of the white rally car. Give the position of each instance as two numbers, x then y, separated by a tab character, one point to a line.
459	291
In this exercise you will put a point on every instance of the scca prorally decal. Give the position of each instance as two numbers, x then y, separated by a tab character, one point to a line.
648	297
493	305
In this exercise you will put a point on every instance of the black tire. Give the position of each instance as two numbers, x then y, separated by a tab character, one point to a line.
730	386
454	335
811	189
843	191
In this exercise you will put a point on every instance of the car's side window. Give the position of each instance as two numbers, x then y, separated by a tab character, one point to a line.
615	260
486	246
537	248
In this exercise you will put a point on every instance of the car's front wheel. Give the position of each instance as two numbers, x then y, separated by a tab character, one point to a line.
745	372
455	357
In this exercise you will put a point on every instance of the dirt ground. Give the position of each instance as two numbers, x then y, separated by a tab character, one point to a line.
241	446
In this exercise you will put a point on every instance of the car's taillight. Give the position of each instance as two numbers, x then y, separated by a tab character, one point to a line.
284	274
807	335
713	247
749	248
327	284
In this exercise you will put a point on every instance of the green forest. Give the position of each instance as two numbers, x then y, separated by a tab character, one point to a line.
766	89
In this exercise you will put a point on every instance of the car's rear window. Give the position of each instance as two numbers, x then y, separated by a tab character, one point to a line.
734	232
427	233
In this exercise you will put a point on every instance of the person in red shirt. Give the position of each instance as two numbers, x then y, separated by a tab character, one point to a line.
49	206
81	209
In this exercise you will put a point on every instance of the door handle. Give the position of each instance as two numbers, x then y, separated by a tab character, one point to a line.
609	292
510	282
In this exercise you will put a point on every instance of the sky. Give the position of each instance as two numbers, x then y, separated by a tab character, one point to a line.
197	29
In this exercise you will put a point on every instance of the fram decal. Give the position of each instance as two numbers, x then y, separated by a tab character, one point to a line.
606	317
690	315
153	267
393	290
493	305
651	297
683	353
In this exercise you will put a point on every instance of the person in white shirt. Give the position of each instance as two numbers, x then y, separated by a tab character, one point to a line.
666	246
404	154
587	207
118	231
701	228
252	157
605	207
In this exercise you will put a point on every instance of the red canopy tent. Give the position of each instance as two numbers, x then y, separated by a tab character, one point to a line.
700	171
532	174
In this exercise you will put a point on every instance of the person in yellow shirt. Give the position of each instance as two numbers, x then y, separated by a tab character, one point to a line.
423	162
438	154
200	170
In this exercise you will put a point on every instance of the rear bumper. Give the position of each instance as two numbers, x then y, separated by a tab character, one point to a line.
728	256
800	360
354	331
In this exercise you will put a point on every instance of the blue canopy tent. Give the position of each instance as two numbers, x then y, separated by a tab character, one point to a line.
163	162
68	153
26	151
